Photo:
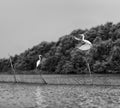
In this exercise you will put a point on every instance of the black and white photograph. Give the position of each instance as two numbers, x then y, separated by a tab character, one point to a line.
59	54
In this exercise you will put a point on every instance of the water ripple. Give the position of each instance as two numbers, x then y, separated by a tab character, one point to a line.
58	96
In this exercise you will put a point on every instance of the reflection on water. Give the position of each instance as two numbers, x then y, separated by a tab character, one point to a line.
58	96
39	98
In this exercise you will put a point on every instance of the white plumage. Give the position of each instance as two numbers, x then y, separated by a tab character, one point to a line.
37	64
77	38
38	61
85	47
87	44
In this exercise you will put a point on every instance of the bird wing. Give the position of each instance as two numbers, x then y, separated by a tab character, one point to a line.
38	63
84	47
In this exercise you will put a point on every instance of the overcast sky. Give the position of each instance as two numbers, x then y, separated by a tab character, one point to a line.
25	23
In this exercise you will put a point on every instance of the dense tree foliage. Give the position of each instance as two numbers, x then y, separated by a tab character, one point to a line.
62	57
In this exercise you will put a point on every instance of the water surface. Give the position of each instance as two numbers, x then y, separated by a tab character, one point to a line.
58	96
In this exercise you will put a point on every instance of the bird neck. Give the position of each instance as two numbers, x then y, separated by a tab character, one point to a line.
83	38
39	58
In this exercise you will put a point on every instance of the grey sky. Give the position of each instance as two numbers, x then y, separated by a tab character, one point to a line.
25	23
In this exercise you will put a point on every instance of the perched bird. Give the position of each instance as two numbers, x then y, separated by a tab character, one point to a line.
87	44
38	61
85	47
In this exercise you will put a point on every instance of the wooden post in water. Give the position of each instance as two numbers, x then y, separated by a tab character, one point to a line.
88	66
41	76
14	73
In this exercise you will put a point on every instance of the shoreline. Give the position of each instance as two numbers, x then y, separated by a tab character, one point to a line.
95	79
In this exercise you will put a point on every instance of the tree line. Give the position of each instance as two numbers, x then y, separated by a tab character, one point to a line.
62	57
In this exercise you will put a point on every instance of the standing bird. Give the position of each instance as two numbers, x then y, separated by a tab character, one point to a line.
85	47
39	61
37	64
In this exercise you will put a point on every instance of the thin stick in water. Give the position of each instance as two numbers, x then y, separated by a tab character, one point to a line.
14	73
